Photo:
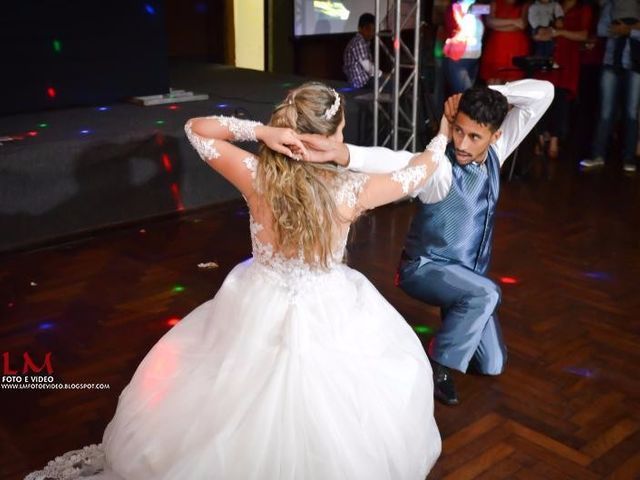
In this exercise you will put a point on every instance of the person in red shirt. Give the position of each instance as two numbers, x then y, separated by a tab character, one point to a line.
463	46
506	39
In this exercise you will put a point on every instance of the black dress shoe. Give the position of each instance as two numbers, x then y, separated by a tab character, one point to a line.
443	388
474	368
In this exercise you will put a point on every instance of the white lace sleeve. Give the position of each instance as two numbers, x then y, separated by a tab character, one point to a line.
437	146
412	178
251	163
204	146
348	187
242	130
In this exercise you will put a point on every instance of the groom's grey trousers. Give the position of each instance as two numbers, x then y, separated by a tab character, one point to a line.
470	332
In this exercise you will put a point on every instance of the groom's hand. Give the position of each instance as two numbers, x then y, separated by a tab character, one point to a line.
449	116
451	107
321	149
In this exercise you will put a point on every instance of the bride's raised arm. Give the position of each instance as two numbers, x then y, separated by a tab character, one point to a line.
212	137
380	189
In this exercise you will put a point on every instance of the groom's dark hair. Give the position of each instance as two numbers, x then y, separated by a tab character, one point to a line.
485	106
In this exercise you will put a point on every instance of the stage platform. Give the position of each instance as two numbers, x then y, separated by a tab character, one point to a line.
78	170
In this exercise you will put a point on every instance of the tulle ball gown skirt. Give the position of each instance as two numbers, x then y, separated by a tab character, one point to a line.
307	376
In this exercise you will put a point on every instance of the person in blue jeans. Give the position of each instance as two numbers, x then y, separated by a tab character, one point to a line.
620	81
463	46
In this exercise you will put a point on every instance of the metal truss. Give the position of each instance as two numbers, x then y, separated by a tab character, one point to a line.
398	109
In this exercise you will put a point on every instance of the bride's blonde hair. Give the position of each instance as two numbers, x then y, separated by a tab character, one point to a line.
305	214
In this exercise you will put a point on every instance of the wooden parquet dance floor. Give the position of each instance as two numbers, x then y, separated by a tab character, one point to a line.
566	254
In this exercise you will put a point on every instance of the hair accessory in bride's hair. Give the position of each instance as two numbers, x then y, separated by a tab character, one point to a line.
333	109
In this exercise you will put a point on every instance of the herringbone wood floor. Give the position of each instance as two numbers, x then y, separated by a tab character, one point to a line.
567	407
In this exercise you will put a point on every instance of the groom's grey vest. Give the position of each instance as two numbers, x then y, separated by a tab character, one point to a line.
459	229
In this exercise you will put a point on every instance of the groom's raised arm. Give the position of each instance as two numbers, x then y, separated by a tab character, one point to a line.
376	159
529	100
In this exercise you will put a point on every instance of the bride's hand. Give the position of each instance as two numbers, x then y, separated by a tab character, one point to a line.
321	149
282	140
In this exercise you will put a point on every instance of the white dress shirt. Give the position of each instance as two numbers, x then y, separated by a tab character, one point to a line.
529	99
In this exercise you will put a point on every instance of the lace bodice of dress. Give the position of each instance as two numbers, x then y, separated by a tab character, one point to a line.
264	253
292	270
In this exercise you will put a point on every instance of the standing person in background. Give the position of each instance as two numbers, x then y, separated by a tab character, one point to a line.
569	42
440	8
358	63
544	16
463	46
506	39
620	81
590	72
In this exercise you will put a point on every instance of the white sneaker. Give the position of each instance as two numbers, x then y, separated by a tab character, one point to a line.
629	167
592	162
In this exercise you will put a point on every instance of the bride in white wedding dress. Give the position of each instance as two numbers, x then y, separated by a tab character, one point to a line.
297	369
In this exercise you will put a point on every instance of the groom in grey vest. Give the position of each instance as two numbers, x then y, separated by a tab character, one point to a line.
448	248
